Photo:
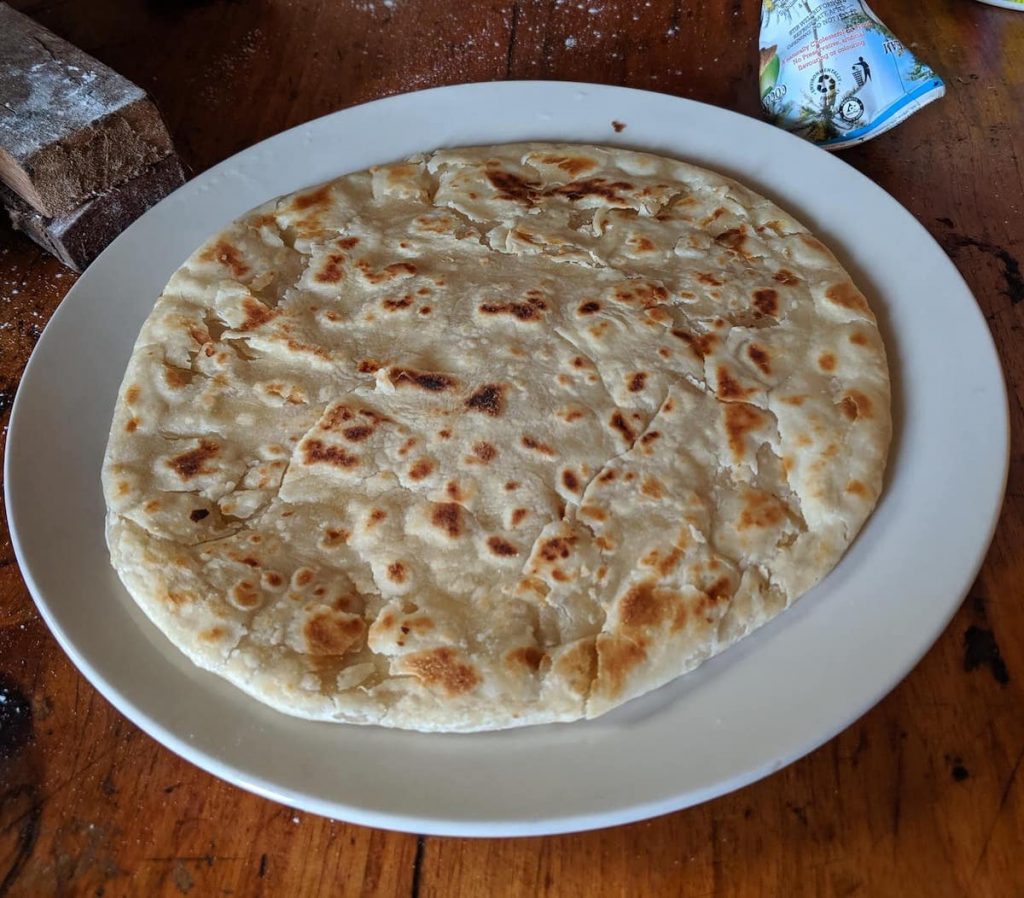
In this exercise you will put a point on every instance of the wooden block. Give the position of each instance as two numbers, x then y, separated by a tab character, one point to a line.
69	126
79	236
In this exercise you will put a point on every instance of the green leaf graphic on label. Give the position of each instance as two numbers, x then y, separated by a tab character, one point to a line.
769	68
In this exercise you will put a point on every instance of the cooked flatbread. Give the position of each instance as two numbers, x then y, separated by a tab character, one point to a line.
492	437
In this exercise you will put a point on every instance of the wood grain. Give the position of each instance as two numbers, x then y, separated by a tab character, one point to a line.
922	796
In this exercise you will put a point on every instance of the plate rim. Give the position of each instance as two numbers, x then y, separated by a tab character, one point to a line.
438	825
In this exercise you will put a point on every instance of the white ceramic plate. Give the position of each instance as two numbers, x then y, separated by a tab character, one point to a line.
775	697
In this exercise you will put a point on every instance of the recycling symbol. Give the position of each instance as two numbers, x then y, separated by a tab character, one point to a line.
825	83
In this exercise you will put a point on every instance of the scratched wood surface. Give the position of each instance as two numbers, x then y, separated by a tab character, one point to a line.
922	796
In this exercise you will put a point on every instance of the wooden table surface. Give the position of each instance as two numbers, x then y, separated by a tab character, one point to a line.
922	796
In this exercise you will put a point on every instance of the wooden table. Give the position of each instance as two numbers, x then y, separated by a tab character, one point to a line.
923	796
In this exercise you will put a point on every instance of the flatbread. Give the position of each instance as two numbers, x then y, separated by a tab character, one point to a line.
492	437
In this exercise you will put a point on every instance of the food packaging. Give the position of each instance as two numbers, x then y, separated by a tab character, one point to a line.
833	73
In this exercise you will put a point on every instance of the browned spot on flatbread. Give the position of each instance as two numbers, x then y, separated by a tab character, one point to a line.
131	395
728	387
213	634
191	463
794	400
701	344
767	302
357	433
421	468
527	656
719	590
369	366
197	514
644	293
786	277
531	311
337	416
760	510
454	491
272	579
741	419
511	187
847	296
335	536
640	607
525	236
617	657
448	517
387	273
178	598
577	666
597	187
590	307
760	357
571	165
855	404
518	515
609	475
246	594
636	381
331	271
644	606
827	361
485	451
132	425
570	481
228	255
393	305
670	562
333	633
858	339
319	197
733	239
593	512
176	378
501	547
619	423
652	487
554	548
298	346
857	488
488	399
531	442
396	572
376	516
317	451
442	667
424	380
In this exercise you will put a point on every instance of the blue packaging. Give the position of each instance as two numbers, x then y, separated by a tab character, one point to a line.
833	73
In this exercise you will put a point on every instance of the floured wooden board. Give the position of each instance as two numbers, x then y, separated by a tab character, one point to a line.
493	437
70	127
